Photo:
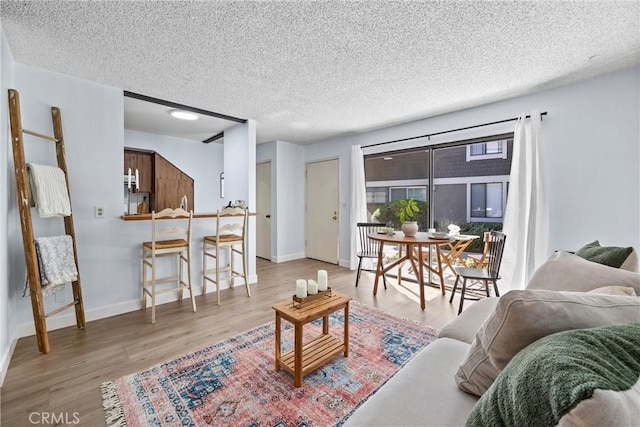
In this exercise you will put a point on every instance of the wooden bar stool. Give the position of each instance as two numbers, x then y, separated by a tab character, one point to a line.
231	225
175	241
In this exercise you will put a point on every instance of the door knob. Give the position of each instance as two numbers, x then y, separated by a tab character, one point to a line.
268	216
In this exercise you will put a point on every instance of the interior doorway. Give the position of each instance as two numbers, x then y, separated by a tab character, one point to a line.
322	210
263	210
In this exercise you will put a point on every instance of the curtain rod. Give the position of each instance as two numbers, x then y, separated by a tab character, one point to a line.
544	113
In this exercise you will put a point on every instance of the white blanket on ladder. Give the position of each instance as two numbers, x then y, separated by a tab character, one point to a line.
56	263
48	190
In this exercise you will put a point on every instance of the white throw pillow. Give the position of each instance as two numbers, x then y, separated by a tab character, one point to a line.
567	272
524	316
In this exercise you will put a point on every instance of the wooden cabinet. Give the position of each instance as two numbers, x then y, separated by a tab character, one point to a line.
143	162
171	185
165	183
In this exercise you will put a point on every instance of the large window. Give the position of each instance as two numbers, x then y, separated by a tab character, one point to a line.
486	200
449	187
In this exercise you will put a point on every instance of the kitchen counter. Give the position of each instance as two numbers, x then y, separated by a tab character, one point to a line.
147	217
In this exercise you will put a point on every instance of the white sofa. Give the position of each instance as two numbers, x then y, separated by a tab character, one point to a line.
425	393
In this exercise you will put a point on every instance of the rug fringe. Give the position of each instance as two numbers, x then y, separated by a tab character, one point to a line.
113	411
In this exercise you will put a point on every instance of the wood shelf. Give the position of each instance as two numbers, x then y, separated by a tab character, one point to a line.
315	353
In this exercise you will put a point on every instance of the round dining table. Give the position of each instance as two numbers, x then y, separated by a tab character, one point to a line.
413	253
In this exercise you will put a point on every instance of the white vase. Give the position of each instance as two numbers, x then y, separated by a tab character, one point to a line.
410	228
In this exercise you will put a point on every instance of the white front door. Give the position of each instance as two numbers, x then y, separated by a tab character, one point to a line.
263	210
322	221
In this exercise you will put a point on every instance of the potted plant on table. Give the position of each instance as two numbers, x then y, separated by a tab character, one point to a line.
406	210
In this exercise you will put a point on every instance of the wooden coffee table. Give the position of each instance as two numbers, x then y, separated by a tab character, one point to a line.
307	357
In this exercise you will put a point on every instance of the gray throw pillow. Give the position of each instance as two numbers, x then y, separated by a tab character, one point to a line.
613	256
524	316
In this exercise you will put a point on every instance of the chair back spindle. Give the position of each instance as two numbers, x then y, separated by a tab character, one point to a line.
496	249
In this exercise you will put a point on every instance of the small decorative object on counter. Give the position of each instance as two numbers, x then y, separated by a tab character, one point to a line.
143	206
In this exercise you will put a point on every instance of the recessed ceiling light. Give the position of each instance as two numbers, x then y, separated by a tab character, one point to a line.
387	158
183	115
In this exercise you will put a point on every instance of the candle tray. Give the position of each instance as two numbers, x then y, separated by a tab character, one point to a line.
301	302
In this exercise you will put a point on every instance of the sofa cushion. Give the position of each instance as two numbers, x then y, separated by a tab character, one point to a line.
613	256
524	316
567	272
465	326
426	380
551	378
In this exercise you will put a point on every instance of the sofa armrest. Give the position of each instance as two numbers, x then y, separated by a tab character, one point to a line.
465	326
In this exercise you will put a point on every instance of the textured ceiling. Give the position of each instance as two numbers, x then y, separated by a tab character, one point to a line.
306	71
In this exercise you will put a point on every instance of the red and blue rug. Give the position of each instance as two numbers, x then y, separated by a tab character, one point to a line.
234	382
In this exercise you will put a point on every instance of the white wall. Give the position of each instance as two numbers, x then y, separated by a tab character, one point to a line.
6	179
290	201
108	248
592	156
240	179
287	198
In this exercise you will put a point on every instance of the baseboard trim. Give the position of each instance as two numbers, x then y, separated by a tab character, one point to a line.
66	320
345	263
290	257
6	359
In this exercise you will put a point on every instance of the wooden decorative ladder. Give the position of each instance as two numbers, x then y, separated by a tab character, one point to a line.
22	182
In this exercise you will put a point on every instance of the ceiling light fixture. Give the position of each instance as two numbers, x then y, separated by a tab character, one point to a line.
387	158
183	115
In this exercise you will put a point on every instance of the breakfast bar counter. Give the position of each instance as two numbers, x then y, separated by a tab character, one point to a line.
147	217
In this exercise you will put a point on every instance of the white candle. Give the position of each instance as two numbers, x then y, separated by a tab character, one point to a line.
312	287
129	180
137	180
322	280
301	288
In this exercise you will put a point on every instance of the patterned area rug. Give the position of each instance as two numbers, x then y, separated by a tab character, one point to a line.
234	382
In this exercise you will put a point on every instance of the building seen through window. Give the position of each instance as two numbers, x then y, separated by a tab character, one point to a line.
469	183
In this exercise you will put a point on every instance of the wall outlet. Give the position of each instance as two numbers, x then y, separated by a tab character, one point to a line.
99	211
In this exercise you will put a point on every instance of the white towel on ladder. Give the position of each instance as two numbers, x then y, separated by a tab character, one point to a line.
48	189
56	263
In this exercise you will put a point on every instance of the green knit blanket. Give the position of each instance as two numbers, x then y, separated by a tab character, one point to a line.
551	376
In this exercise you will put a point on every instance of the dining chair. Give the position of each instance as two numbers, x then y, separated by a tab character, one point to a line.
231	226
479	262
369	248
484	275
170	237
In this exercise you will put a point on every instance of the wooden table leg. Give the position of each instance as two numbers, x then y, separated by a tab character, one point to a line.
379	268
325	325
297	378
421	277
346	329
278	348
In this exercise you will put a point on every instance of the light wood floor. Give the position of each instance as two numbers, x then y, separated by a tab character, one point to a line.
68	379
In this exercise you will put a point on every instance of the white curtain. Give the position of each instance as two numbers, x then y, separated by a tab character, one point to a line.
358	208
526	221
